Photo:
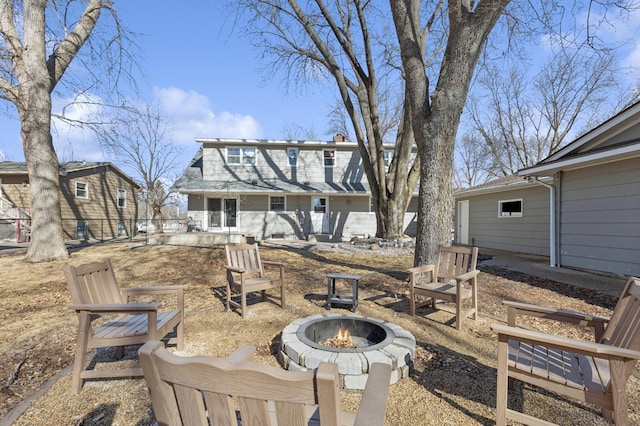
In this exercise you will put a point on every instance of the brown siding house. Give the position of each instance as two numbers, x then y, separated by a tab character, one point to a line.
97	200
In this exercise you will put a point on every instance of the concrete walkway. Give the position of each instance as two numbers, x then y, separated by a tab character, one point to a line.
538	266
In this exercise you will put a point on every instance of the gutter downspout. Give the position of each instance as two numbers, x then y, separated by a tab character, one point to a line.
552	220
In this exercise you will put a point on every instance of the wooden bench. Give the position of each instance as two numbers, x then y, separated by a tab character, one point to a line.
96	294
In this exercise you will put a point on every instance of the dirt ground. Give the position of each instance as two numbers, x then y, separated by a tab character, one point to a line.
453	382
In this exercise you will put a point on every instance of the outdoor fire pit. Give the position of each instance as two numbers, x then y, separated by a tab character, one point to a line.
352	342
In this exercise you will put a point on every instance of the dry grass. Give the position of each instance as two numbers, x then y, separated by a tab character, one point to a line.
453	381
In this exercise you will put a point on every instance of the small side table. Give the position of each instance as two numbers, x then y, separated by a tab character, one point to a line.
346	299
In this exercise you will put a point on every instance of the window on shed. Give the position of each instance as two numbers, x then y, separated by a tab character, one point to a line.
122	198
329	157
82	190
122	228
276	204
510	208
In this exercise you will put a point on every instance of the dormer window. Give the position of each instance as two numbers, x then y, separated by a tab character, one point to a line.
292	154
329	157
236	156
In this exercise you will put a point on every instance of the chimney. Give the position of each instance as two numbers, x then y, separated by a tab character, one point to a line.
338	138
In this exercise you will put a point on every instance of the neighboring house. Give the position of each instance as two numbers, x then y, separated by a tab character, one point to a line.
97	199
590	190
282	189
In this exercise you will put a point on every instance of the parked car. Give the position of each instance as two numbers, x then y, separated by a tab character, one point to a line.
143	226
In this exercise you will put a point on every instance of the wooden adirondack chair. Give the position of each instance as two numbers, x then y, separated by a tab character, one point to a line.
199	391
454	263
95	294
246	274
590	372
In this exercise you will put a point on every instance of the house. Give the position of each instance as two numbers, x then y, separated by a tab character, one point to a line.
97	200
260	189
580	206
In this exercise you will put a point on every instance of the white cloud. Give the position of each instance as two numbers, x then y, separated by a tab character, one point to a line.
192	117
190	113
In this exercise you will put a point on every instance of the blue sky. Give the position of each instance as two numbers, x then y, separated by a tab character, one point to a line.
208	78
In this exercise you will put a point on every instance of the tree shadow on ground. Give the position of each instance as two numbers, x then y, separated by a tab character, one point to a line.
589	296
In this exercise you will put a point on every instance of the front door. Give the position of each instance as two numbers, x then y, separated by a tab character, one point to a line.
319	215
463	222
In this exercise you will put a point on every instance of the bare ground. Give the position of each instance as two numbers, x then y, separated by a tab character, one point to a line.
454	377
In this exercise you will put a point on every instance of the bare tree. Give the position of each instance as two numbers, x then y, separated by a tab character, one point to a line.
524	119
474	163
314	41
39	40
139	141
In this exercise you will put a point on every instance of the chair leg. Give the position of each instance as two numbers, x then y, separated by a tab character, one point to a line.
243	302
459	312
282	296
81	350
474	298
502	381
119	352
180	333
228	301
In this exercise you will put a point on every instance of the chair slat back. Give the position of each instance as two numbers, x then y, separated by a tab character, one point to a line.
192	390
455	260
93	283
623	329
245	256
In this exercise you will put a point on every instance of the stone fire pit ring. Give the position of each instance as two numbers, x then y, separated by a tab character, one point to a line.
396	348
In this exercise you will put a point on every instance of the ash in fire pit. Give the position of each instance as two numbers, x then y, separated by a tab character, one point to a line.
308	341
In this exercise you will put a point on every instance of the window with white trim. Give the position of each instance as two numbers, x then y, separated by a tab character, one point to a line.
122	198
510	208
241	155
329	157
122	228
292	154
82	190
276	204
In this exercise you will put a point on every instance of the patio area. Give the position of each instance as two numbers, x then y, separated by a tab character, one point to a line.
453	380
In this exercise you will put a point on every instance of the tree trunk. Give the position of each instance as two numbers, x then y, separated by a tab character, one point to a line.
47	239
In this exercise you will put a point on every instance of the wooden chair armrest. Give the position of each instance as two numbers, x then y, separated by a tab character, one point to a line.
117	308
271	263
243	353
164	289
467	276
596	350
374	398
422	269
234	269
517	308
